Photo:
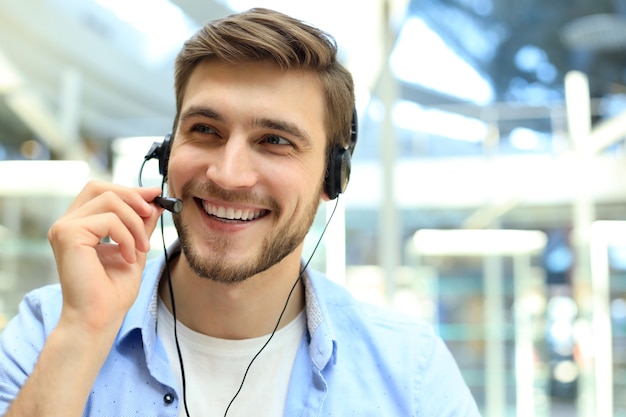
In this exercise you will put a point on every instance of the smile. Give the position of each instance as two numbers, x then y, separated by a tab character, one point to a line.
230	213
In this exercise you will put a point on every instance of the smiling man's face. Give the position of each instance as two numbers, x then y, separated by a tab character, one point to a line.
248	161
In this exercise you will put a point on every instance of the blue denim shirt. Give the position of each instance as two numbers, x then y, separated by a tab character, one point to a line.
355	359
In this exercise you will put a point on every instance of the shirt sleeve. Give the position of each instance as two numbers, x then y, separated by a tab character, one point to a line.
21	342
444	392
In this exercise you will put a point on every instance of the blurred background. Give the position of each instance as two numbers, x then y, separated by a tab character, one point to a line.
487	193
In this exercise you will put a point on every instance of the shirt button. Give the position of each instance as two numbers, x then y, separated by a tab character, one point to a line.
168	398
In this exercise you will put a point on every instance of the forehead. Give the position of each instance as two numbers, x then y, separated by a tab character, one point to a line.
260	89
262	80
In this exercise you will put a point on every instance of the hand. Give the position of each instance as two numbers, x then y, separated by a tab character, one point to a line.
100	281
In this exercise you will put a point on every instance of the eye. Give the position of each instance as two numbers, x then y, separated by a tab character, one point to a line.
276	140
202	128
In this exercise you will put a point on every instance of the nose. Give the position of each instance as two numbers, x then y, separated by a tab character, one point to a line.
233	166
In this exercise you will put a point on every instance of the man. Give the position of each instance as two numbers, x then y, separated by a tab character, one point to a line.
231	323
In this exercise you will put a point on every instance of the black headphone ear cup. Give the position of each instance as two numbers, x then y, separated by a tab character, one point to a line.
163	154
339	164
161	151
337	172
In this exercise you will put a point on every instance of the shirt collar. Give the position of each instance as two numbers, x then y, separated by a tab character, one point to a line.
142	315
322	337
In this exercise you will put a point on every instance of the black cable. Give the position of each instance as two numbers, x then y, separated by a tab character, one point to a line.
178	349
243	380
173	302
141	173
171	291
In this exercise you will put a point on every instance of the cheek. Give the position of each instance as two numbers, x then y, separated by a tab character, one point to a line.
304	178
182	166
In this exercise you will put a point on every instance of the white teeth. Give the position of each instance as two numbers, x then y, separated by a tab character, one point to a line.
231	213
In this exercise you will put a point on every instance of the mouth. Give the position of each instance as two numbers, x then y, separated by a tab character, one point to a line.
232	214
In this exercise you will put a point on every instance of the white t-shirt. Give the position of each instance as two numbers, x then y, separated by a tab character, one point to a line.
214	369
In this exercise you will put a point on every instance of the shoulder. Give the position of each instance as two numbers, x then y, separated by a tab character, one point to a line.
42	304
23	338
392	351
336	297
39	311
353	318
45	294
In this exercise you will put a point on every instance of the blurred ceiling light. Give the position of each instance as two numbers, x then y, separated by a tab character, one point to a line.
529	57
478	242
162	30
607	132
29	106
43	177
4	231
525	139
423	58
596	32
618	309
609	232
412	116
31	149
562	308
134	145
565	372
577	97
10	78
534	60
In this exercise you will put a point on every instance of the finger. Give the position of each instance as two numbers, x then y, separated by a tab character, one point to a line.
150	223
121	236
137	198
111	203
88	232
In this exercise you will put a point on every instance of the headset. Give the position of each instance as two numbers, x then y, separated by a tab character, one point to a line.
338	165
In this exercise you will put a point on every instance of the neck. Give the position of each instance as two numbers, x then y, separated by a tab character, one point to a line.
235	311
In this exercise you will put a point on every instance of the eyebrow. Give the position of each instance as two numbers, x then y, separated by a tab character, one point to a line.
261	122
207	112
283	126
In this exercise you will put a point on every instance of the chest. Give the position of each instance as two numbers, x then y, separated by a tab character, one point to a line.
246	377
